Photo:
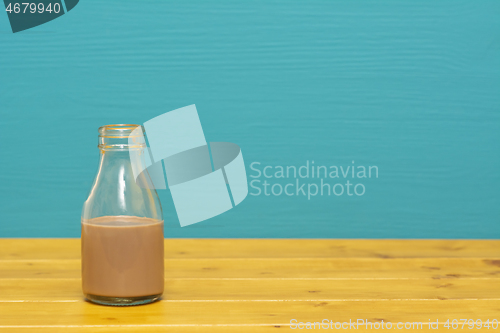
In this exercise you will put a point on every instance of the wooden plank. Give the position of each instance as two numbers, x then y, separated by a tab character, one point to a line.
36	248
433	268
39	248
244	313
220	328
331	248
204	329
258	289
208	329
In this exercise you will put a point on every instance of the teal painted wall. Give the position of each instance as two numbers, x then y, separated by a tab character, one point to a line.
411	87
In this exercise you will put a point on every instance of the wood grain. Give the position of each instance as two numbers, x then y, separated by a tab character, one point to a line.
35	248
270	289
243	313
338	268
233	285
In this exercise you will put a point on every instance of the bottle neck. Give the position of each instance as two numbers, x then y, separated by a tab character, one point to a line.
115	191
114	160
115	145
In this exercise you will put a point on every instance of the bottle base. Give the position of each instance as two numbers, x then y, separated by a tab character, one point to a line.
122	301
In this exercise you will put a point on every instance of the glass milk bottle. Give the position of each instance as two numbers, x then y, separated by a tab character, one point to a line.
122	228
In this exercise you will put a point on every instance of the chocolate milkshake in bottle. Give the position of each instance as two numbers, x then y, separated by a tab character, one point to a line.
122	227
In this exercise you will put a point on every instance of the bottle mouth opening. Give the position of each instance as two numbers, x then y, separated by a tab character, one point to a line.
121	137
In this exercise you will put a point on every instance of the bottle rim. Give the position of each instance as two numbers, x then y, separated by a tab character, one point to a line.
117	130
116	137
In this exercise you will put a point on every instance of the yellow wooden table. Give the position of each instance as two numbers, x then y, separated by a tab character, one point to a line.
235	285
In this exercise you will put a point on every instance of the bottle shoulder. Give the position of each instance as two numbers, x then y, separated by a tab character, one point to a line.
115	192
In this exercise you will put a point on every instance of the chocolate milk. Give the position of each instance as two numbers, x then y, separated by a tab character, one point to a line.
122	256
